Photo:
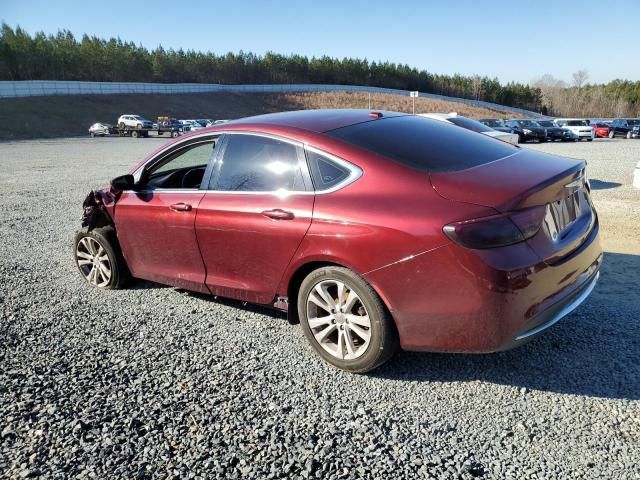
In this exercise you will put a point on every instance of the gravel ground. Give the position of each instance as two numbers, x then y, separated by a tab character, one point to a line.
156	382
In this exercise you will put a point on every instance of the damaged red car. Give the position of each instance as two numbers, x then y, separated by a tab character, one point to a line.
374	230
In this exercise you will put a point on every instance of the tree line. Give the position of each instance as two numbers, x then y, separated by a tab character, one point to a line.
618	98
63	57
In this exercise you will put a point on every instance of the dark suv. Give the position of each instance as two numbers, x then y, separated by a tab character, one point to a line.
625	127
527	129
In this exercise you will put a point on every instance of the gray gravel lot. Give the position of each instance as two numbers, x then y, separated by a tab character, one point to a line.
156	382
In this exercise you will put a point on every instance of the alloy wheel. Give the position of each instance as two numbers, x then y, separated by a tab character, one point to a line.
93	261
338	319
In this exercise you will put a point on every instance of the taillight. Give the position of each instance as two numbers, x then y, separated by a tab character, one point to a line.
497	230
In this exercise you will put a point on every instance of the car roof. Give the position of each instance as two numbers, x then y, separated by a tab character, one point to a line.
319	121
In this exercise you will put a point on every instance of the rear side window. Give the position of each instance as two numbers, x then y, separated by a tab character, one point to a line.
425	144
325	172
253	163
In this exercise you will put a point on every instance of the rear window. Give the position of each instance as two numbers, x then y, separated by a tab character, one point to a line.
469	124
424	144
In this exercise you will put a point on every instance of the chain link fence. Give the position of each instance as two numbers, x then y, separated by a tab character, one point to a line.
32	88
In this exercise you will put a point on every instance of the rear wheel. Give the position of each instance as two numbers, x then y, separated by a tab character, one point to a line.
174	134
628	134
98	257
134	134
612	134
92	134
345	321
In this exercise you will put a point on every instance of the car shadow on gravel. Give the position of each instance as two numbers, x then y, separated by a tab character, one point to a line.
603	185
594	352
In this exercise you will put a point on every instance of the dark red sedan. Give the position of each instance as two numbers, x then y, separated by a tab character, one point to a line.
376	230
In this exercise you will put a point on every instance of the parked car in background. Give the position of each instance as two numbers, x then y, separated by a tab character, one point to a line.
192	124
134	121
555	132
372	229
600	129
497	124
527	130
169	125
100	129
474	125
579	126
625	127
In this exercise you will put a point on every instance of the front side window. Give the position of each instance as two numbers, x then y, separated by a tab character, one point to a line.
252	163
182	169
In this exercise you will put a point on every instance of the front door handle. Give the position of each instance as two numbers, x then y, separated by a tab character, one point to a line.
180	207
278	214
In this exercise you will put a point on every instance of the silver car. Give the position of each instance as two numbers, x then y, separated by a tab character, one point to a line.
100	129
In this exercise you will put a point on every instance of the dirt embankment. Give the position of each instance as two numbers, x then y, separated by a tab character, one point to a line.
64	116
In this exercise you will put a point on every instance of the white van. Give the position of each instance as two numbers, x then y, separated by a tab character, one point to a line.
579	126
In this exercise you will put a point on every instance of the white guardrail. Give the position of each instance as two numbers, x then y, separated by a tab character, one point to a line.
33	88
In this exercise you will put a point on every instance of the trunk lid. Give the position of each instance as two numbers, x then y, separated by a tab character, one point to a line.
528	179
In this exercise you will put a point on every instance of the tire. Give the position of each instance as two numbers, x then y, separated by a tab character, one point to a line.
365	306
174	134
121	126
612	134
628	135
134	133
113	273
92	134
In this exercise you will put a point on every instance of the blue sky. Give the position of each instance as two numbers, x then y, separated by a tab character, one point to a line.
515	40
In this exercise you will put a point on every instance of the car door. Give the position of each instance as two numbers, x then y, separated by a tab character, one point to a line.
254	216
156	222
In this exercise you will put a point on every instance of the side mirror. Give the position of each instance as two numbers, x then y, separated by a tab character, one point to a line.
123	182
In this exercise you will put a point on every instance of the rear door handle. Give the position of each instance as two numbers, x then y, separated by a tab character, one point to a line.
180	207
278	214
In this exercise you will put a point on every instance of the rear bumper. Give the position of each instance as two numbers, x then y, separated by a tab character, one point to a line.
538	324
459	300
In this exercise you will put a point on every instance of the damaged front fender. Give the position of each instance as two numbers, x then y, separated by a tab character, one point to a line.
97	209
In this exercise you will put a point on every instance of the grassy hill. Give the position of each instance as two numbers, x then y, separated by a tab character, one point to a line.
65	116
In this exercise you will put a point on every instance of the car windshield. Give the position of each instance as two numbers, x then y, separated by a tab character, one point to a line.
577	123
470	124
493	122
528	123
545	123
424	144
633	121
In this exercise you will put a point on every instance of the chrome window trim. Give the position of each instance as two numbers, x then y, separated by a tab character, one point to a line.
355	171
